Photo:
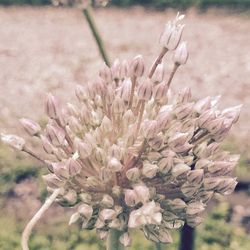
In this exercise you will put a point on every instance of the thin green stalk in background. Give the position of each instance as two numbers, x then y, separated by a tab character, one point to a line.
113	242
158	246
89	17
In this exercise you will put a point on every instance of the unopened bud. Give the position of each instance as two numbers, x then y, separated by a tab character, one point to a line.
114	165
107	214
81	93
180	169
133	174
124	69
136	66
47	146
160	91
165	164
145	90
195	208
142	193
211	183
74	218
56	135
60	170
181	54
206	117
74	167
232	113
194	221
52	181
226	186
158	74
116	69
130	198
189	189
184	110
150	129
149	170
85	210
125	240
107	201
51	106
31	127
106	125
13	141
84	149
126	90
195	176
106	73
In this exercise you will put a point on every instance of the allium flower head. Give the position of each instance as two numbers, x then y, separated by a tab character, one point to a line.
125	155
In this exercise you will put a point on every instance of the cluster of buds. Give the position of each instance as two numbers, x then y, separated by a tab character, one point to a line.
128	154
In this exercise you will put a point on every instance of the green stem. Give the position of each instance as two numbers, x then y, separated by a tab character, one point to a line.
113	240
89	17
158	246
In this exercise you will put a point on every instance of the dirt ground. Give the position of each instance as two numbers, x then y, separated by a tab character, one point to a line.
51	49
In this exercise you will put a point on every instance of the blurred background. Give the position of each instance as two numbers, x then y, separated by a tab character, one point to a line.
45	48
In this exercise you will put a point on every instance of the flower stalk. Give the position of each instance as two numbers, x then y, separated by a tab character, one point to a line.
113	242
28	229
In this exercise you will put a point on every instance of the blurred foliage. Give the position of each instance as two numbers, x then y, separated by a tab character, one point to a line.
159	4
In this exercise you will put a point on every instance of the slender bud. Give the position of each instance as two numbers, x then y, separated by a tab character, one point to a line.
136	66
13	141
74	167
181	54
165	164
31	127
226	186
52	181
51	106
124	69
55	135
60	170
232	113
47	146
145	90
80	92
158	74
160	91
106	74
118	105
126	90
180	169
74	218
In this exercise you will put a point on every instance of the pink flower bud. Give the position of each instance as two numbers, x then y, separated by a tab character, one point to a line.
13	141
55	135
160	91
74	125
211	183
60	170
85	211
74	218
195	177
175	37
31	127
180	169
232	113
106	74
195	208
215	125
150	129
133	174
194	221
115	165
51	107
107	214
184	110
125	239
189	190
145	90
206	117
116	69
130	197
126	90
136	66
74	167
81	93
107	201
156	142
158	74
47	146
52	181
202	105
164	236
84	150
166	164
226	186
181	54
142	193
124	69
149	170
